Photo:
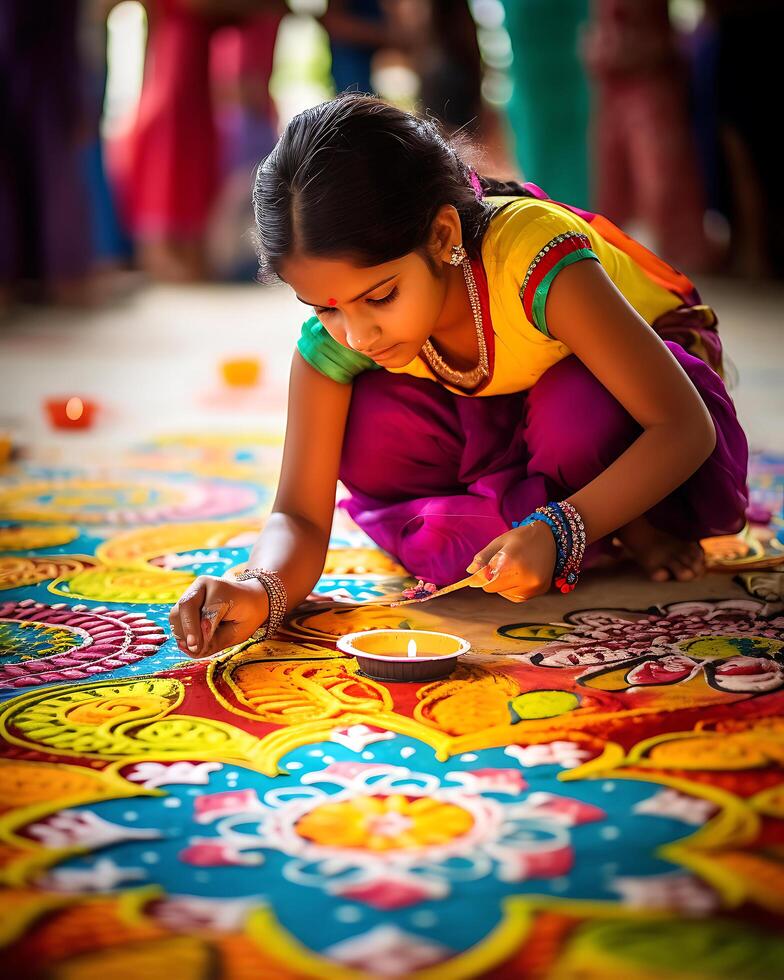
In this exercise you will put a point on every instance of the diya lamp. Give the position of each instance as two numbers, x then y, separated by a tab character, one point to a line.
404	655
71	413
6	445
241	372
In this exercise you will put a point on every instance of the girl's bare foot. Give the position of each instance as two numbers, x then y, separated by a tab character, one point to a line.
661	555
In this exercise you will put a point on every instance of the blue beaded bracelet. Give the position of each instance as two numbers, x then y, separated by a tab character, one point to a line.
568	532
536	518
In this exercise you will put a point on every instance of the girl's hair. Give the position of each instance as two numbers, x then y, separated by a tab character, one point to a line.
360	179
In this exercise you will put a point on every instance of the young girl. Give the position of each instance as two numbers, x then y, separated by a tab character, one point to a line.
478	351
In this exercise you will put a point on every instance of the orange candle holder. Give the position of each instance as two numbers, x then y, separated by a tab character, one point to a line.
384	654
71	413
241	372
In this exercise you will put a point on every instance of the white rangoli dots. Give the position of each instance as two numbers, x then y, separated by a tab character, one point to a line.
348	913
671	803
388	951
424	919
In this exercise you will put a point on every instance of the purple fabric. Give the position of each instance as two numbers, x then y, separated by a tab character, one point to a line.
44	207
434	477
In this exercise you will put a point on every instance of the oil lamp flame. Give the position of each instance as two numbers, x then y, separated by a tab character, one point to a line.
74	409
412	648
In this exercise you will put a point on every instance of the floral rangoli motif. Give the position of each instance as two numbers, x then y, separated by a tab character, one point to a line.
737	645
382	828
597	796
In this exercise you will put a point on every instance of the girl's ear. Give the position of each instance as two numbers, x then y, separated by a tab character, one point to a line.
445	231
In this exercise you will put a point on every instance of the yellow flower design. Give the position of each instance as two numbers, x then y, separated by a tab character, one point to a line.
385	823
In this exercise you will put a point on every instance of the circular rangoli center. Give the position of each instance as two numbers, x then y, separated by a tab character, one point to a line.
385	823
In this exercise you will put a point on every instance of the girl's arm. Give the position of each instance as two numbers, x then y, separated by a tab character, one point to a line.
587	313
295	538
215	613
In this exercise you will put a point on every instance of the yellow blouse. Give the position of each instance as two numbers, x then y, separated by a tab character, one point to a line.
527	243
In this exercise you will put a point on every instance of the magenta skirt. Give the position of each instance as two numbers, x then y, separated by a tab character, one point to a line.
433	477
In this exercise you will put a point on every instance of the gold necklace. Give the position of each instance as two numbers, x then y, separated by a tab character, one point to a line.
463	379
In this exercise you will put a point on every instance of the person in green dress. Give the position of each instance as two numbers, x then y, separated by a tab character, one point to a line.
548	111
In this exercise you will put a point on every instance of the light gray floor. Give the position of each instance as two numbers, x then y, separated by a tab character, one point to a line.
751	323
152	359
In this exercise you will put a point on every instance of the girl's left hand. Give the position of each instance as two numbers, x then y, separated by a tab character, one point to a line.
518	564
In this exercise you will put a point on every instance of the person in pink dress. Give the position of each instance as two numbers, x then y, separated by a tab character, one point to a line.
647	172
171	174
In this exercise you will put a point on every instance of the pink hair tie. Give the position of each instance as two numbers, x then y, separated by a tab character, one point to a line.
476	184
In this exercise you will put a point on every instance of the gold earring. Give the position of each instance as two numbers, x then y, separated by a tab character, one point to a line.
459	255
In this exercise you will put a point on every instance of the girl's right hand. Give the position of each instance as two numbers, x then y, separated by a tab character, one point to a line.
215	613
518	564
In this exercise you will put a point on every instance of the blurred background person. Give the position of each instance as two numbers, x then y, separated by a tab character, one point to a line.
439	41
46	247
445	55
653	119
172	159
549	105
647	168
357	29
241	64
112	248
738	68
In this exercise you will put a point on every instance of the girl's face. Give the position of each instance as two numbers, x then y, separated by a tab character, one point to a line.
386	311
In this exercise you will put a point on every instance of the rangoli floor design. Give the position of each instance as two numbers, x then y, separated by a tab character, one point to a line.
595	796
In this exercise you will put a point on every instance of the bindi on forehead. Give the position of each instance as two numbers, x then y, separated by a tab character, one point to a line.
332	301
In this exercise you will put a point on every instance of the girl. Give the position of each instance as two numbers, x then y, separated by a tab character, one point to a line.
477	351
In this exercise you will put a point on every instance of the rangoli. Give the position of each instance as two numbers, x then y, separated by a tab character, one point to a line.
594	794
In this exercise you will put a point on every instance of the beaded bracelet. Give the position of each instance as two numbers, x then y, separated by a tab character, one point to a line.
568	531
562	529
278	599
578	534
561	548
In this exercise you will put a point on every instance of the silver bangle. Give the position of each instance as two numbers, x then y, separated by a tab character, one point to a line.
278	599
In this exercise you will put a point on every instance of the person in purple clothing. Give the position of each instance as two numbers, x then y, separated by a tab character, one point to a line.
45	235
500	381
